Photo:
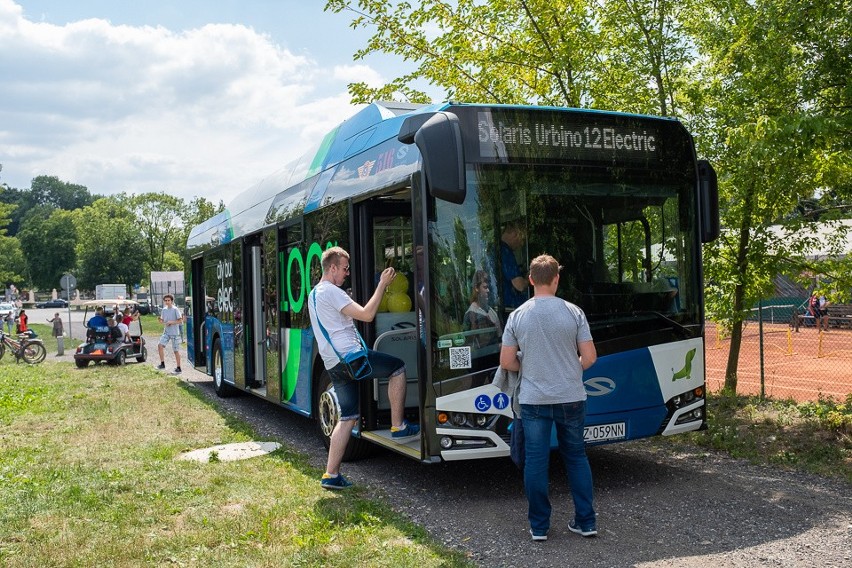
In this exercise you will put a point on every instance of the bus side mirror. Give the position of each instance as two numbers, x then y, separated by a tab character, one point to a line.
440	143
708	195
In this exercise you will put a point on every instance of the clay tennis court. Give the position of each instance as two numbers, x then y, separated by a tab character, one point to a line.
797	365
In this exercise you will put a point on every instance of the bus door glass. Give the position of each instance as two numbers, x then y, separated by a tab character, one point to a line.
396	321
271	332
255	322
292	315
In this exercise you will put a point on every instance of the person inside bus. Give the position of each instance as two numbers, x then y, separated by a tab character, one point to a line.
480	315
331	309
514	282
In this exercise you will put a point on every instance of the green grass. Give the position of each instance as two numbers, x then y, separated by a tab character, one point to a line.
88	477
813	436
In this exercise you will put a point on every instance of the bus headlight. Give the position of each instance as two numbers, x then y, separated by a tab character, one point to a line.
458	418
446	442
481	420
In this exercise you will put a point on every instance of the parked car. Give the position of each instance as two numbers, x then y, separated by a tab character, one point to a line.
57	303
6	309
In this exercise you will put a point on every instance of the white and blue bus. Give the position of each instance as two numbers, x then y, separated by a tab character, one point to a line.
620	200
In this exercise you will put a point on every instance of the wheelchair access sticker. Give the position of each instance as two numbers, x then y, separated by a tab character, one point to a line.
483	402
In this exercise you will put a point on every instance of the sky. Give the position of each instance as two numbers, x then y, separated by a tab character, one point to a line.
190	97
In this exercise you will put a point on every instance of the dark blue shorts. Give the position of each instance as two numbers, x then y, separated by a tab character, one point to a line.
346	388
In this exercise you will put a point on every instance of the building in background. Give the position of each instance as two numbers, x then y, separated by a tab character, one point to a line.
163	283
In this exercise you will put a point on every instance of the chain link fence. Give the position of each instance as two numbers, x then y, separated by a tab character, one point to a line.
785	354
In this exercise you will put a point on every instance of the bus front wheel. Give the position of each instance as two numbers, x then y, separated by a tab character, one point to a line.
327	417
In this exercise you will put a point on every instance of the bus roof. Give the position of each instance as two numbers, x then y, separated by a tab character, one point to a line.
303	184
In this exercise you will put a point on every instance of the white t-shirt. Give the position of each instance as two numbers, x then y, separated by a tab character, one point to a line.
330	301
124	329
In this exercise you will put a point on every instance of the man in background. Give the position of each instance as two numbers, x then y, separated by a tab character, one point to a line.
171	318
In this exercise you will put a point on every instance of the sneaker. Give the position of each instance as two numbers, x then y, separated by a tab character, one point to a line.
162	366
334	482
587	532
405	431
538	537
177	371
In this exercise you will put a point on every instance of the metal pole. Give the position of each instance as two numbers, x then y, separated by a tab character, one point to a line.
70	327
760	326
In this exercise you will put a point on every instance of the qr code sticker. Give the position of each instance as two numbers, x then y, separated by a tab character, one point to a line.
460	357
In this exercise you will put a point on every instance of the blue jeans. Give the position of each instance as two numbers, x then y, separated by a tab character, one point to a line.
538	423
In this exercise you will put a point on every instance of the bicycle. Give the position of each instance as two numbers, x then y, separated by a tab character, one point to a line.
32	351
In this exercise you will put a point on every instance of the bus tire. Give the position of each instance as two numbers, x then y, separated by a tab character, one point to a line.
223	389
328	414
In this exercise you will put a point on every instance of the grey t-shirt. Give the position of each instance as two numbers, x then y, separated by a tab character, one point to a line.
171	314
548	331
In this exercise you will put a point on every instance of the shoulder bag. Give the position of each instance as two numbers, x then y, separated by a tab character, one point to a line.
357	362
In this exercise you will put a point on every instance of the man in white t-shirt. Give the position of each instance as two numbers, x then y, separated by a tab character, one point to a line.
332	308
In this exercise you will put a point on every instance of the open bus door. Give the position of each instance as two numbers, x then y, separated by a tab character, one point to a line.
387	225
194	311
260	315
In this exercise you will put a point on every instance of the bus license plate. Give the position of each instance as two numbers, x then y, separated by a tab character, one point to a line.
605	432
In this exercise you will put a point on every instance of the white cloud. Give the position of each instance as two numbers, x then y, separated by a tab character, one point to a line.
205	111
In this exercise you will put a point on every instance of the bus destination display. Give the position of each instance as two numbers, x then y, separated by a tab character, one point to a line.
550	136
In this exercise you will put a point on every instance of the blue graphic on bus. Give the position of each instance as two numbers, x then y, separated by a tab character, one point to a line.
482	403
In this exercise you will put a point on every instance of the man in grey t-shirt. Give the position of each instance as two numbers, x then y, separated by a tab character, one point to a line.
557	344
172	319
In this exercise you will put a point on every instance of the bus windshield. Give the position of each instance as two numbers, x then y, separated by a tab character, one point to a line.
625	238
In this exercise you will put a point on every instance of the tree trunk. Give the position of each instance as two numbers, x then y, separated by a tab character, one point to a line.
741	275
736	343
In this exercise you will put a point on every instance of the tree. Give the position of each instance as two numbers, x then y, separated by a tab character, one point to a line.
774	143
47	191
47	238
628	55
111	248
13	268
160	221
50	190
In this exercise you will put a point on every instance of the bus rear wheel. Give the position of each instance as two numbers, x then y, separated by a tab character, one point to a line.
328	415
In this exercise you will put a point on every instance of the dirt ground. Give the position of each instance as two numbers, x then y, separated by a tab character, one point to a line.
799	365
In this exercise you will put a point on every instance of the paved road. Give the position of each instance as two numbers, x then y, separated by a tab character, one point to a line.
656	508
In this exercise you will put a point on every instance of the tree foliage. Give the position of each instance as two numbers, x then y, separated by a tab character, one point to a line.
111	248
161	224
628	55
47	237
47	191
